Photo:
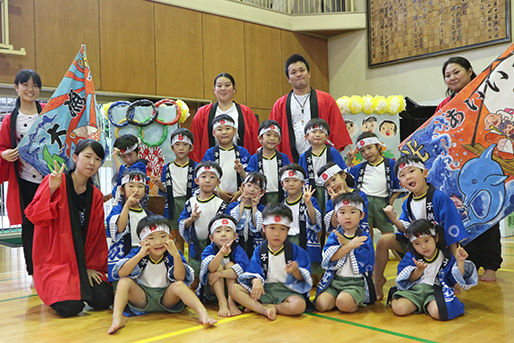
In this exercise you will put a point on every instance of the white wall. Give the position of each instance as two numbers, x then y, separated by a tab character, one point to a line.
421	80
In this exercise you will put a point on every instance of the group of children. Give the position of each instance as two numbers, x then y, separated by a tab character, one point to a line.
261	231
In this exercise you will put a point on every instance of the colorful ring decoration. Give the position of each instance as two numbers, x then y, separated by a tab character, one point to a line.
117	128
123	122
131	112
168	102
159	142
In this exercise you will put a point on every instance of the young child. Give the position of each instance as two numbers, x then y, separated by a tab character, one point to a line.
278	278
306	223
155	277
125	156
428	274
268	160
348	258
248	212
319	154
376	178
337	182
177	180
232	159
223	261
424	202
123	219
193	223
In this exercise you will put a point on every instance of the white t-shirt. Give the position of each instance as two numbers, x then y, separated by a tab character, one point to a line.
135	216
276	268
318	162
418	209
232	112
270	169
179	178
430	272
23	124
299	120
295	224
154	275
228	181
374	182
209	209
346	270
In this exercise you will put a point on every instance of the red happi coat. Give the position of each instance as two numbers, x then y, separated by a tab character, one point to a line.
56	275
200	129
325	108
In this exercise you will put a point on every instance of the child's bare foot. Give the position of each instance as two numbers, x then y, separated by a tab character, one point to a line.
206	320
117	323
224	310
379	286
232	306
271	312
488	276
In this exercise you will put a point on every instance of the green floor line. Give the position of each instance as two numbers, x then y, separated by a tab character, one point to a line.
17	298
371	328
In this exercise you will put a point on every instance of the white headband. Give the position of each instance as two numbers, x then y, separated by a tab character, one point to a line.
412	238
272	127
223	122
316	127
207	169
368	141
133	178
327	174
276	219
154	228
181	138
404	165
294	174
130	148
222	222
347	203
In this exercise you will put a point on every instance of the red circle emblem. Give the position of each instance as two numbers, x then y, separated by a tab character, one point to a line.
224	222
346	203
277	219
290	173
272	127
402	165
361	143
324	176
180	137
207	168
153	228
222	122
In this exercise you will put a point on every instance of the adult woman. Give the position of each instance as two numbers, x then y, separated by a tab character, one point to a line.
485	250
246	122
70	245
457	73
22	177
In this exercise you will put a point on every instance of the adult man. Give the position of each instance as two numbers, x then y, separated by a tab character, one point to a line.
294	110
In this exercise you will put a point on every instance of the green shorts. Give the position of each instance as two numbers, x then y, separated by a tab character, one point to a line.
179	203
276	293
154	301
354	286
271	197
197	263
420	295
376	216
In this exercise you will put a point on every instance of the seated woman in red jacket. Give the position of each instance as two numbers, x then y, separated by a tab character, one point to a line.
246	122
70	245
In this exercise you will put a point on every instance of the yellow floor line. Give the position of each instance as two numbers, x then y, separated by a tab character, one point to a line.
192	329
506	270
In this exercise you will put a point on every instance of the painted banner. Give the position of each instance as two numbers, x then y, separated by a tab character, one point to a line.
70	115
467	146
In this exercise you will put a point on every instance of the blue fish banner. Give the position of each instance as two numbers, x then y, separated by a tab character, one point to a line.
70	115
468	147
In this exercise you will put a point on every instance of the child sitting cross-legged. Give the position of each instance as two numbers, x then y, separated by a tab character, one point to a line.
348	258
278	278
154	277
222	262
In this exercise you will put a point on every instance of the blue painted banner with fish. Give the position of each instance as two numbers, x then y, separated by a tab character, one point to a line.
70	115
468	147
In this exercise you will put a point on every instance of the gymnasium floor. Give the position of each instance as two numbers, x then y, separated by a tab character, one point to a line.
488	309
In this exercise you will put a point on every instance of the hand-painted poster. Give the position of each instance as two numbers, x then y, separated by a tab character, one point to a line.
152	124
467	146
69	116
378	115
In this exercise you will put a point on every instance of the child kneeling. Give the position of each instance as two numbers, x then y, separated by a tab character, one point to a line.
155	277
428	274
278	279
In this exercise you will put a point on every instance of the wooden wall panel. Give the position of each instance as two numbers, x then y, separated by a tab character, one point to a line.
262	65
127	46
262	113
178	52
307	46
61	27
21	35
223	51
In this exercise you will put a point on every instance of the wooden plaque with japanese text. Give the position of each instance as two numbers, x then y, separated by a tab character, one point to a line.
403	30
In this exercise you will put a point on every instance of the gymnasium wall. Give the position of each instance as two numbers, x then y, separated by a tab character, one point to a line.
420	80
148	48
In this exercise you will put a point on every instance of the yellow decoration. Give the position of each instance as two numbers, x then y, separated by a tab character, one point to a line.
380	104
105	108
356	104
368	104
184	110
344	104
